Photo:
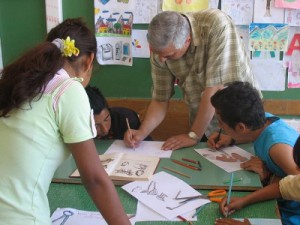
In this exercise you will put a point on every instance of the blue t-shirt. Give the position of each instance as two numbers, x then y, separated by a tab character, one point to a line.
278	132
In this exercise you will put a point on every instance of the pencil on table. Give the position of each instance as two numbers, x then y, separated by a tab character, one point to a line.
184	219
175	171
189	160
229	192
129	130
185	165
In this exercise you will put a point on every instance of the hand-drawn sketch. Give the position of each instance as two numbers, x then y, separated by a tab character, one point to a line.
241	11
140	46
160	192
268	37
292	17
71	216
113	28
266	12
144	11
266	66
228	158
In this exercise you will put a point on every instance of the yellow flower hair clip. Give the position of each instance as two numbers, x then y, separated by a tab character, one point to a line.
69	48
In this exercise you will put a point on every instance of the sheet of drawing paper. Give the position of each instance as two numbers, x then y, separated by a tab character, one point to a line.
150	148
113	28
265	12
292	17
257	221
71	216
159	194
144	213
268	37
290	4
244	34
144	11
185	5
140	46
291	58
240	11
228	158
54	14
213	4
294	123
268	70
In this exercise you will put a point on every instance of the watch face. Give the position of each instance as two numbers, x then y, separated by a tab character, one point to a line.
193	135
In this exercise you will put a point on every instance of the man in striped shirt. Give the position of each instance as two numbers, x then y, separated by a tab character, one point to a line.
203	52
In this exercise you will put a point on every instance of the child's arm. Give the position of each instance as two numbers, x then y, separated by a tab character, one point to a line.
97	183
269	192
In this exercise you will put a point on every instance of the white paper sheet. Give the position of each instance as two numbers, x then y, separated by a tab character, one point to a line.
160	191
71	216
263	221
140	46
150	148
144	213
228	158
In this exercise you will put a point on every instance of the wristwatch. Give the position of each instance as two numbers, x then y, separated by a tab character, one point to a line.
193	136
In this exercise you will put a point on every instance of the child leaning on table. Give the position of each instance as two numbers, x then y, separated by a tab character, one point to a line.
288	188
240	113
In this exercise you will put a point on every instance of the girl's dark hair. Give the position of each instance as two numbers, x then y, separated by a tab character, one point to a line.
27	77
97	100
296	152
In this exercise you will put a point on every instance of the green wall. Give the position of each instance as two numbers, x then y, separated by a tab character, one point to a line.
23	24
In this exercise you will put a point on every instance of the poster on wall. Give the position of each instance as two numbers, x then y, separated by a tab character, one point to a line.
140	46
241	11
113	30
290	4
144	11
266	12
54	14
185	5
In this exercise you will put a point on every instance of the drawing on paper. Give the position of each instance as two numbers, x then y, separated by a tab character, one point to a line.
64	217
268	37
228	158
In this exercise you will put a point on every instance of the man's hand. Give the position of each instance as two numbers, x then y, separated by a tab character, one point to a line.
256	165
178	141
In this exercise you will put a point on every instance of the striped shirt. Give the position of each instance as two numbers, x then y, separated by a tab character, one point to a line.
216	56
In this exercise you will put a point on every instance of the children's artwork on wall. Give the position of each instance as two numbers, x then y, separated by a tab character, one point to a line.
144	11
292	17
54	14
265	12
268	37
113	28
268	70
241	11
291	58
244	34
185	5
291	4
228	158
140	46
213	4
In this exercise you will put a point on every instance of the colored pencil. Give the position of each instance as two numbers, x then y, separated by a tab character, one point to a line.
186	165
175	171
229	192
189	160
184	219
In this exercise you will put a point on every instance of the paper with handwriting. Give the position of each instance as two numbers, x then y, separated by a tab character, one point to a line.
228	158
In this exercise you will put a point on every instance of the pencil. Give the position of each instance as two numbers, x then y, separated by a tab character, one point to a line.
199	164
184	219
186	165
219	135
129	130
175	171
234	180
189	160
229	192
